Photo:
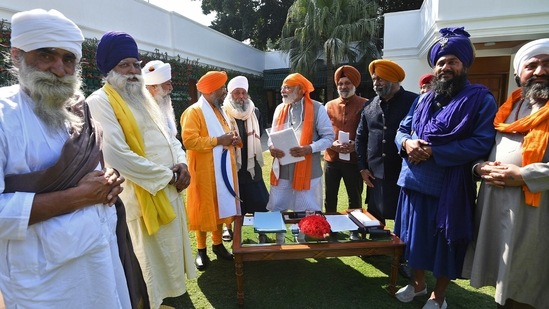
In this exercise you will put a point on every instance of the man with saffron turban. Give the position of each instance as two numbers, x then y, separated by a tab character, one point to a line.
57	227
139	144
512	216
378	158
445	132
298	186
340	159
211	141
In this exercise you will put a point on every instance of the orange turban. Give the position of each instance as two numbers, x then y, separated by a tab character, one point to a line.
347	71
387	70
297	79
211	81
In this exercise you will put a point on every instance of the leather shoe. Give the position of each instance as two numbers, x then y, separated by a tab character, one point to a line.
202	259
221	252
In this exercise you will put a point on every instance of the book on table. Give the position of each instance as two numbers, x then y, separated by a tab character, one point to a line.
269	222
362	220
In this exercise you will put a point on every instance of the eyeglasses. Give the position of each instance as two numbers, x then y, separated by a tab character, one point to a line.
286	88
126	65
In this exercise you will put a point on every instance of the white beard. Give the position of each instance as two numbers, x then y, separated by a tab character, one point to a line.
291	98
347	94
52	95
166	107
136	95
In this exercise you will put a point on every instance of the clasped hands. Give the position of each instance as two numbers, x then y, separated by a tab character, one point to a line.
102	186
343	147
183	179
418	150
499	174
229	139
299	151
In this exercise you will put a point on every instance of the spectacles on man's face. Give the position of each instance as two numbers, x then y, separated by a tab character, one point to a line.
286	88
124	64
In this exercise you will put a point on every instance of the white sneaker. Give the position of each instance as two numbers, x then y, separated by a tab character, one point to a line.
432	304
407	293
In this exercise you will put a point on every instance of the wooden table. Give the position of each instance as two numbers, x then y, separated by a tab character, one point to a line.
291	251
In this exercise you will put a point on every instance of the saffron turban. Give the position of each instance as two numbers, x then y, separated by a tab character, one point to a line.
237	82
39	28
347	71
426	78
297	79
113	47
528	51
211	81
156	72
387	70
452	41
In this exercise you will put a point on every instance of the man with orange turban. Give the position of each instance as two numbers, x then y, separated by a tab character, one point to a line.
298	186
210	141
340	158
514	194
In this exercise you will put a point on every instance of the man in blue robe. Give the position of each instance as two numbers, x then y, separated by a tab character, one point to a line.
446	130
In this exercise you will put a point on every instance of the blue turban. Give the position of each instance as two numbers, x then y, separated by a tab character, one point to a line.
113	47
452	41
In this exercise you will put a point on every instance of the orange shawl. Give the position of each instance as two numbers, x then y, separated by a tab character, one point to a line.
303	169
536	128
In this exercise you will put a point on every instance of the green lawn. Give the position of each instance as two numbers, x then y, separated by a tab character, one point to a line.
348	282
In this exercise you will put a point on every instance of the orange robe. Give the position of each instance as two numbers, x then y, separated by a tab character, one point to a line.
202	204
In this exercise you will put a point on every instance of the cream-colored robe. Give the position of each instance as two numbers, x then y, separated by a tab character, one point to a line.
166	256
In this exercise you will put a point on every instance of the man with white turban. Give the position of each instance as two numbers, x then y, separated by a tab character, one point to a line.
57	229
239	107
158	80
513	202
139	145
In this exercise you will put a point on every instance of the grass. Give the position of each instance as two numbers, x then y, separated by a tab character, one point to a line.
347	282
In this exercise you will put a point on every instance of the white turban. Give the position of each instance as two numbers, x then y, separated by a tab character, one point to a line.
237	82
38	28
156	72
528	51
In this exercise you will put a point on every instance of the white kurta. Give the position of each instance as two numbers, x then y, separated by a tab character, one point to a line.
166	256
70	261
511	250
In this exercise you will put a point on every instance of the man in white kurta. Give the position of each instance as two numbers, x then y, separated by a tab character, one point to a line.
164	254
512	217
58	249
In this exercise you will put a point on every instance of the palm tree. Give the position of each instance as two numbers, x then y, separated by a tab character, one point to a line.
337	31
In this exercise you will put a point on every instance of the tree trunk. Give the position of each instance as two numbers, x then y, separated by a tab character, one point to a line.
329	77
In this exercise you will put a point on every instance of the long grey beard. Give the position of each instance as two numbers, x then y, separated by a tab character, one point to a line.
52	95
166	106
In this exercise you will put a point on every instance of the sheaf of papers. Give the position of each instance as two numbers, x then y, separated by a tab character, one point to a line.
340	223
364	219
269	222
285	140
343	138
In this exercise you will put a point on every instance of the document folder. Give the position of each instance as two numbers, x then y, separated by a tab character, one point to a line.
269	222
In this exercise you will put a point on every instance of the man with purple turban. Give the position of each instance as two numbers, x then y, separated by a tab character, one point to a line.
340	159
57	229
445	132
138	143
211	141
513	203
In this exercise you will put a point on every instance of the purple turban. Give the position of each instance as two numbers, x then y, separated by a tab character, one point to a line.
452	41
113	47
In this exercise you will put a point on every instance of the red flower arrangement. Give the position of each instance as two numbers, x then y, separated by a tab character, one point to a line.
315	226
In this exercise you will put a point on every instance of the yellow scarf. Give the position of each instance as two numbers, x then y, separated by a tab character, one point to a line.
156	209
536	128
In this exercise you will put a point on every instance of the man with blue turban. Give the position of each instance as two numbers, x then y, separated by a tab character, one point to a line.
446	130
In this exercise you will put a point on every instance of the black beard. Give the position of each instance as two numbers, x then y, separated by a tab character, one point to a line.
534	90
451	87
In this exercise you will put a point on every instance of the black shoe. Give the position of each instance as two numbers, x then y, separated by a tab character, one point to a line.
222	252
202	259
405	270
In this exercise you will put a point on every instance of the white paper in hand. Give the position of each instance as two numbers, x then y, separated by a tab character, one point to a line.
285	140
343	138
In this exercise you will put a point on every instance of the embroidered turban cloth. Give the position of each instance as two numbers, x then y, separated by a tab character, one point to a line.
528	51
211	81
156	72
237	82
387	69
347	71
452	41
38	28
426	78
297	79
113	47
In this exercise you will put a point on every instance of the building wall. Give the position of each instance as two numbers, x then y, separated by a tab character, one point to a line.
153	28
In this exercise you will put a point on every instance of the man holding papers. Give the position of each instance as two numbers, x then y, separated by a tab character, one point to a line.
298	185
340	158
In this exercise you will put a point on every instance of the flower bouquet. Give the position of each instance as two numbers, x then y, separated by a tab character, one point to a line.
315	226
